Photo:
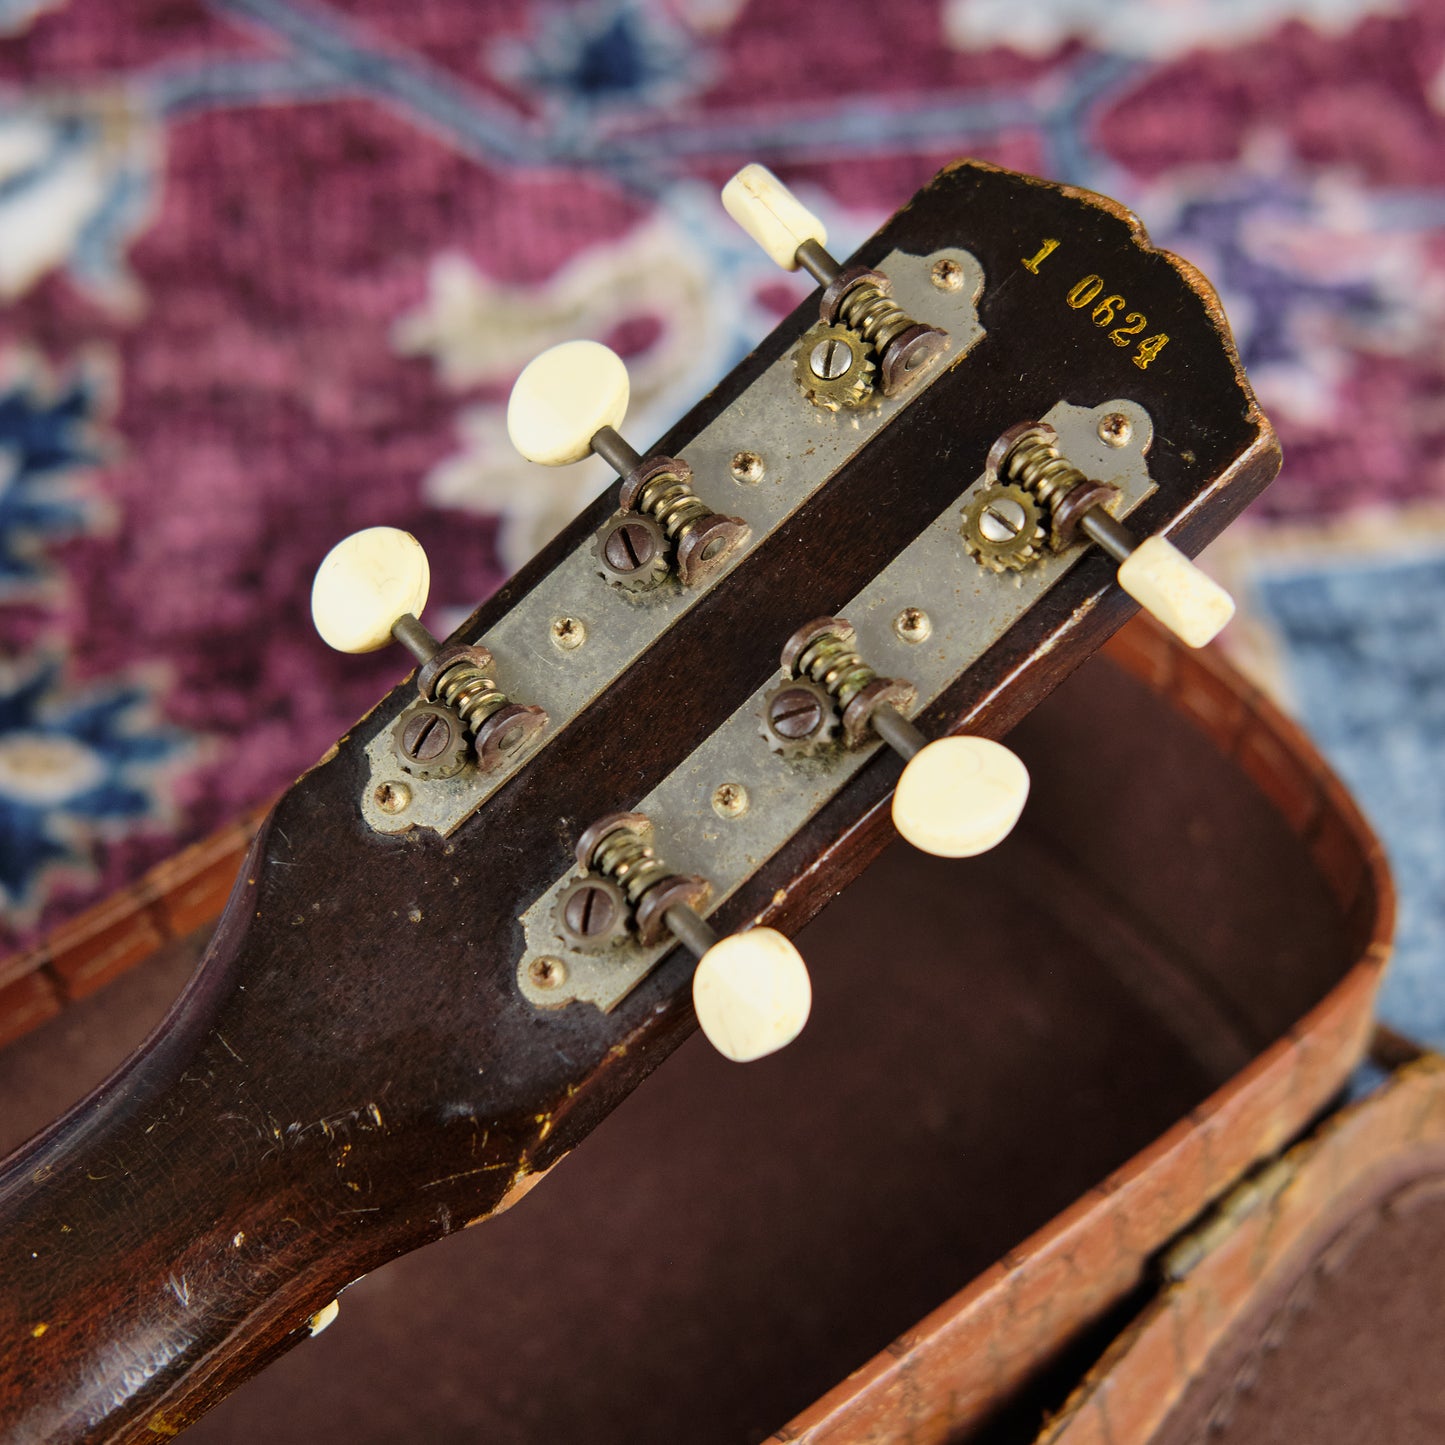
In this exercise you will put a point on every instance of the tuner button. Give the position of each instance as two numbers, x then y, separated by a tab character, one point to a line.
752	994
1191	604
563	398
772	215
960	796
365	583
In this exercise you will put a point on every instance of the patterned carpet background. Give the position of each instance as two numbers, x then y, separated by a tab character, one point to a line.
269	267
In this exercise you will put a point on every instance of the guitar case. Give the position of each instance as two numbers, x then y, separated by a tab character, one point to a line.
1036	1163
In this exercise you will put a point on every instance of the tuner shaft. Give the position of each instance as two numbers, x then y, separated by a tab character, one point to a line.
1153	571
751	990
567	404
855	298
368	591
956	797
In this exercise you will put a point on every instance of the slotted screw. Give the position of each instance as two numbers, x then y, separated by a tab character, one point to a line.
590	912
795	714
630	546
831	359
1002	520
426	737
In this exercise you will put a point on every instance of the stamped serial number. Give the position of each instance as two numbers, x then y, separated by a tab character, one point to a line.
1105	310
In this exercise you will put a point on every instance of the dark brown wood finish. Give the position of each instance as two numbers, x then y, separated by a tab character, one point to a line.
352	1073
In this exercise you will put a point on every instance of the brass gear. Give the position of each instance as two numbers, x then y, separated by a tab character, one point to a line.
988	532
853	384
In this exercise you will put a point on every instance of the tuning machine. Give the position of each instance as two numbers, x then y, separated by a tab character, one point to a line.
567	404
751	990
860	328
368	592
1032	488
957	796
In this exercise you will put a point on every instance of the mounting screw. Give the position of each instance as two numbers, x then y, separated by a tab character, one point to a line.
947	275
1115	429
747	467
392	797
730	800
831	358
547	972
568	633
913	624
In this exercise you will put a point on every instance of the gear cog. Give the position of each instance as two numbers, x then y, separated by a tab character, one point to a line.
1003	528
833	367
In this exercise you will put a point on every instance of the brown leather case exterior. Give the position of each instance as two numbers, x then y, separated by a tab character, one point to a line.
1306	1307
1147	983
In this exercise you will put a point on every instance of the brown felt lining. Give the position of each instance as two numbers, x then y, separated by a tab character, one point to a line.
1348	1347
989	1039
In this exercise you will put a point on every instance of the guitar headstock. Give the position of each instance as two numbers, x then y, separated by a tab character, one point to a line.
473	927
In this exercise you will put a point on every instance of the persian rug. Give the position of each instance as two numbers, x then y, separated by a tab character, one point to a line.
269	267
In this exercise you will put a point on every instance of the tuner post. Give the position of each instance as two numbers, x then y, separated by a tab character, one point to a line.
368	592
859	324
568	404
957	796
1026	466
751	990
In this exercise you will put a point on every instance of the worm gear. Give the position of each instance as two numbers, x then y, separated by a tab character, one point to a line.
833	366
1003	528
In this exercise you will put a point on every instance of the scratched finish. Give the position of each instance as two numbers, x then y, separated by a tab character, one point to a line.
969	608
352	1072
801	445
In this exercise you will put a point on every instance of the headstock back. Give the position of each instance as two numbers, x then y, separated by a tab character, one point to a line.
373	1052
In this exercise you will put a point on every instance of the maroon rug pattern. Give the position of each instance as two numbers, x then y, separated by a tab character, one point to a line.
269	267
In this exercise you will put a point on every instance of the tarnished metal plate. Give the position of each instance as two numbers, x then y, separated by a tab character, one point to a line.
969	609
801	446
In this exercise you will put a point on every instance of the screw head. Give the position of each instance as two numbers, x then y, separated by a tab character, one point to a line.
589	911
830	359
947	274
730	800
1115	429
568	633
427	735
547	972
392	797
630	546
795	713
747	467
913	624
1002	520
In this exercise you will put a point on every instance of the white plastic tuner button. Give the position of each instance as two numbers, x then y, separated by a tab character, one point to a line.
563	398
1191	604
752	994
364	584
771	214
960	796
